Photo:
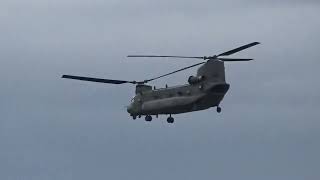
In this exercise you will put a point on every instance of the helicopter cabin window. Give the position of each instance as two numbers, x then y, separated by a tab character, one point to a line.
179	93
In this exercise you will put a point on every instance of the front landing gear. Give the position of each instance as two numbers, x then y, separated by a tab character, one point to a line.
148	118
170	119
218	109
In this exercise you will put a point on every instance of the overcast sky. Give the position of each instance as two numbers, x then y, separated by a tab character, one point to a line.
52	128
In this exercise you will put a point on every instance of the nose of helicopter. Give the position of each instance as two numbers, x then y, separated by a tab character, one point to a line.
130	109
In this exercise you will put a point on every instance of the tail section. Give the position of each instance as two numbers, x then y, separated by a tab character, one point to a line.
213	71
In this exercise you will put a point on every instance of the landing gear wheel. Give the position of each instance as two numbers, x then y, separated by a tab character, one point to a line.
170	120
148	118
218	109
134	117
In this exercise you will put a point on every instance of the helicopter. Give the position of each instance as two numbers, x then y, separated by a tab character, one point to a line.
203	91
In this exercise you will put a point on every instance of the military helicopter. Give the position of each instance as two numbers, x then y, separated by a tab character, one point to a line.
205	90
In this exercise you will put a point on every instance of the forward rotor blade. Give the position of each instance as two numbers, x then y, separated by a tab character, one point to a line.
191	57
108	81
174	72
239	49
234	59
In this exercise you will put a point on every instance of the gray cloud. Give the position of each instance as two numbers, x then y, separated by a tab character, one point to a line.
57	129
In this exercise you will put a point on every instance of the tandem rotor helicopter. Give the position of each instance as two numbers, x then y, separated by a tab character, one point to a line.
205	90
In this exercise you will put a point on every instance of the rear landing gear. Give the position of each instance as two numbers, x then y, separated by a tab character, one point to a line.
218	109
148	118
170	119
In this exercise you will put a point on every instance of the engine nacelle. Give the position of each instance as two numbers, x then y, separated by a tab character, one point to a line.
195	80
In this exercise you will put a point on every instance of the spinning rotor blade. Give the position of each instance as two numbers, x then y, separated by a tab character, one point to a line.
108	81
233	59
241	48
215	57
192	57
111	81
174	72
238	49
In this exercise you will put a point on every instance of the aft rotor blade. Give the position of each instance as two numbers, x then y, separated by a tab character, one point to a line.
108	81
238	49
234	59
189	57
175	72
